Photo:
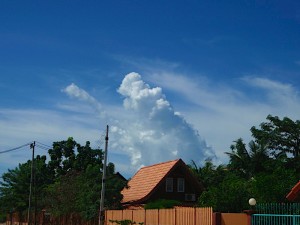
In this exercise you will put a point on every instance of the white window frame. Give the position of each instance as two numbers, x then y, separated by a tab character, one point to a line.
169	184
180	184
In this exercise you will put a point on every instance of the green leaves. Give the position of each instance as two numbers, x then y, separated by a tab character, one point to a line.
162	204
248	162
14	189
230	195
69	183
282	135
263	169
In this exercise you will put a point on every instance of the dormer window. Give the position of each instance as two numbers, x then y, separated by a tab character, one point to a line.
169	184
180	185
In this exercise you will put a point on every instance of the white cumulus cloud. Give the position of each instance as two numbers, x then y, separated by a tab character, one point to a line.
146	129
156	132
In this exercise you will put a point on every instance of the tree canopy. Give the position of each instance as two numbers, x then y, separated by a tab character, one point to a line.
281	135
70	182
266	169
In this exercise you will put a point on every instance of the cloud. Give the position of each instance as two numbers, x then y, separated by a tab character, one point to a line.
224	112
75	92
278	94
157	131
270	85
20	126
147	129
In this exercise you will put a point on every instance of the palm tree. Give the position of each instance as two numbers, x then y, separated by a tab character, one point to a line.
247	162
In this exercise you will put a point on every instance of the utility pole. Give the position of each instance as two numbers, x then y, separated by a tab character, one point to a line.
32	145
101	211
34	188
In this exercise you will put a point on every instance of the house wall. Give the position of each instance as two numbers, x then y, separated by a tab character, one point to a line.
161	193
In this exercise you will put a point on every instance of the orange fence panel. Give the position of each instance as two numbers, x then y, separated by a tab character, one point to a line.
127	214
204	216
138	216
113	215
185	216
167	216
177	216
152	217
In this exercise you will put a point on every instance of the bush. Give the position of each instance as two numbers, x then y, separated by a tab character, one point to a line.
162	204
2	217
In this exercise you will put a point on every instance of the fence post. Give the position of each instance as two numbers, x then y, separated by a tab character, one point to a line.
249	213
216	218
194	215
175	216
145	220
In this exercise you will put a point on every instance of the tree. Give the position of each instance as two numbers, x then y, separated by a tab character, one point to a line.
60	197
209	175
62	157
261	169
114	185
281	135
70	182
78	174
14	189
247	162
77	170
230	195
274	185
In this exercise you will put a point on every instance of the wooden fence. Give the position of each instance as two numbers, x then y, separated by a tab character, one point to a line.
42	219
176	216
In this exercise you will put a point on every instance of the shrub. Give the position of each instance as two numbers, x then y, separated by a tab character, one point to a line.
162	204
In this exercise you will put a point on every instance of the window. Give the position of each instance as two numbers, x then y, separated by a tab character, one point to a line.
180	184
169	185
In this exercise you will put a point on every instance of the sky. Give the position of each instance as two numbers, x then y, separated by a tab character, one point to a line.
171	79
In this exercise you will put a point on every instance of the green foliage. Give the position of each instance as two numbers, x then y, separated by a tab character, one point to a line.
78	180
125	222
61	196
282	135
2	216
14	189
262	169
162	204
69	183
274	185
209	175
230	195
247	162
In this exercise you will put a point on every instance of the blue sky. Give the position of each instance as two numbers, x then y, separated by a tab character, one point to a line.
172	79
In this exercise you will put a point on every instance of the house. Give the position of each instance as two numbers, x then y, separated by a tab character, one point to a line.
294	194
166	180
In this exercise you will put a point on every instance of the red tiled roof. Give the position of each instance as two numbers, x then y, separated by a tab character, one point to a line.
145	180
294	193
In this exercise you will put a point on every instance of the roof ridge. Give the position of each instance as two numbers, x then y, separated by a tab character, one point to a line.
161	163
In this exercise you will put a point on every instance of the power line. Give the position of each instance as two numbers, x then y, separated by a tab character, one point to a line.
13	149
100	141
42	147
46	146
